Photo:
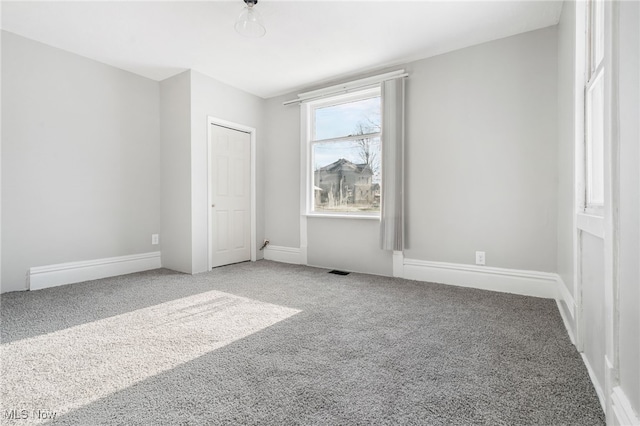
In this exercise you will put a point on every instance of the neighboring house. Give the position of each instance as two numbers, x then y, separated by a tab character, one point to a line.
343	183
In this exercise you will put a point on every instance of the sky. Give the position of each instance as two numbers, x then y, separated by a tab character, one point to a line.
342	119
338	121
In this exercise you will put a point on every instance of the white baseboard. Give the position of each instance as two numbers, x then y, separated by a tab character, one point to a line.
73	272
566	297
566	305
283	254
594	380
622	411
526	283
565	320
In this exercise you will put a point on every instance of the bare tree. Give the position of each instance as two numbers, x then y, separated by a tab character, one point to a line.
368	152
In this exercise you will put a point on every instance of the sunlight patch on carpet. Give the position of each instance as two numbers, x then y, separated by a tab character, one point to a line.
67	369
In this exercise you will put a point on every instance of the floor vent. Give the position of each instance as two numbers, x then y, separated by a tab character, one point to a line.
336	272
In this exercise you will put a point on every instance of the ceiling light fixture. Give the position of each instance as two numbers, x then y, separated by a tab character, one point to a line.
249	23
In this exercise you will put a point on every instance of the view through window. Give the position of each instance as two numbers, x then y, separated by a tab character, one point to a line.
346	154
595	101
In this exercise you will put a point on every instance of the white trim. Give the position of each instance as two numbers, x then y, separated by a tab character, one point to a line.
591	224
358	94
252	132
594	381
305	134
527	283
308	132
283	254
398	264
579	187
74	272
622	411
303	240
610	375
566	303
344	216
566	297
565	321
347	87
611	187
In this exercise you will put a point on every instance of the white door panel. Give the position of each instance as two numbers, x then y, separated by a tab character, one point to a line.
231	196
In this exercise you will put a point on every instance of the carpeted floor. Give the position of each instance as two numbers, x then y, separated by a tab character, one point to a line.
269	343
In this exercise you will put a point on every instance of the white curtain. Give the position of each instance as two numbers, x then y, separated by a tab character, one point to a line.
392	208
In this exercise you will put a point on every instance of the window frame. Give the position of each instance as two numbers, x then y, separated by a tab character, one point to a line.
594	74
309	130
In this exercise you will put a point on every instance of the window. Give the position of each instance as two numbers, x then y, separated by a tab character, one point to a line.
345	154
594	106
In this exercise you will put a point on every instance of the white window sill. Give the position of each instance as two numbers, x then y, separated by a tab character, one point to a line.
343	216
590	223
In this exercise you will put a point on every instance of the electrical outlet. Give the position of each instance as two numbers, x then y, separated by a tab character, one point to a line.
480	258
155	239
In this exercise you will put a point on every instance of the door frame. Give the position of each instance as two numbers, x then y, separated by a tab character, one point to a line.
214	121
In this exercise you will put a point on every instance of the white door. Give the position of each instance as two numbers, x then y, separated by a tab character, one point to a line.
230	196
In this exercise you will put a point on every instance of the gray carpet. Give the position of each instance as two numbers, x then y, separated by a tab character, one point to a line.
269	343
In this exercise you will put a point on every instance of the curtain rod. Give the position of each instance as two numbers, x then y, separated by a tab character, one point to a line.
346	87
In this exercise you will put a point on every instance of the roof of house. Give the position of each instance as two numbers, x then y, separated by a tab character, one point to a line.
346	165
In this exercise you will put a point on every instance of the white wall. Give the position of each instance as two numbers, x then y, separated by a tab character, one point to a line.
347	244
209	97
0	157
566	145
282	173
481	154
480	164
175	140
96	159
80	160
629	250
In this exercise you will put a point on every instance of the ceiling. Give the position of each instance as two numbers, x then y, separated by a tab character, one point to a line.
307	42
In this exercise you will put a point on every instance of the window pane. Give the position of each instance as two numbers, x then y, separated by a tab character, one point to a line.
598	32
595	142
351	118
346	176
